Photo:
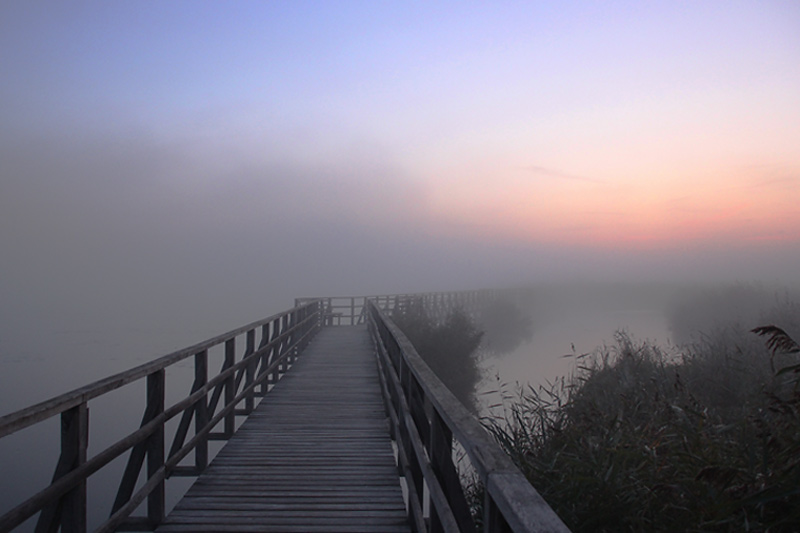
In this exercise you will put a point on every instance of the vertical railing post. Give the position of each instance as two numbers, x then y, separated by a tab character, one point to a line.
201	410
74	443
70	510
275	350
155	446
439	446
311	325
264	385
294	319
287	343
282	367
440	449
415	467
316	309
230	387
250	369
302	314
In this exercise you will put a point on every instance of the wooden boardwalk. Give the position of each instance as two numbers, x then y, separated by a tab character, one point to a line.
314	456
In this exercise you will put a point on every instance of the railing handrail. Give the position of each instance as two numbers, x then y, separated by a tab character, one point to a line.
28	416
507	490
63	502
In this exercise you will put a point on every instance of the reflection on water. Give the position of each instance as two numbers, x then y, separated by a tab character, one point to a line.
543	359
575	321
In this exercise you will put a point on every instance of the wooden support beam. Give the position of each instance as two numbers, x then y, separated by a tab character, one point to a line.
155	447
250	348
201	410
230	386
69	511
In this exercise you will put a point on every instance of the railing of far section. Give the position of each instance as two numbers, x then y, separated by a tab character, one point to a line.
270	346
352	310
425	420
341	310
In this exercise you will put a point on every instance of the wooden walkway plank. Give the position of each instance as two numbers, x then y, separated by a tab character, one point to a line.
315	456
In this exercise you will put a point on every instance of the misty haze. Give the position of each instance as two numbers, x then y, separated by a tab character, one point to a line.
604	198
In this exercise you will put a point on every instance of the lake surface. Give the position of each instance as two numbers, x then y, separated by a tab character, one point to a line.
576	322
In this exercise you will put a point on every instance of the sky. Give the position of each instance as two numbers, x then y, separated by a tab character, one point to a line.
167	158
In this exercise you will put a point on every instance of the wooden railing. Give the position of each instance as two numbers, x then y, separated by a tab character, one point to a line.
270	346
425	420
340	310
352	310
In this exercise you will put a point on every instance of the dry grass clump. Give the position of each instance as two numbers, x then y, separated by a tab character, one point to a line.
638	439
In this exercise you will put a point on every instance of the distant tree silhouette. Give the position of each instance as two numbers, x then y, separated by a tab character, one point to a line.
506	327
448	347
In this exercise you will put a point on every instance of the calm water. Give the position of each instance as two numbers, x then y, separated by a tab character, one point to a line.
575	325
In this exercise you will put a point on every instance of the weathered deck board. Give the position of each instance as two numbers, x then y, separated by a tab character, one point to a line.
315	456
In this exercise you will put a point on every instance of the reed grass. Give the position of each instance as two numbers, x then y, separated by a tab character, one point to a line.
640	438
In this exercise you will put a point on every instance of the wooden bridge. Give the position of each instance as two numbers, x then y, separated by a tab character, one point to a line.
354	433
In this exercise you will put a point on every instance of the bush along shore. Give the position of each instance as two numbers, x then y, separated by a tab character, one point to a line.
448	347
704	438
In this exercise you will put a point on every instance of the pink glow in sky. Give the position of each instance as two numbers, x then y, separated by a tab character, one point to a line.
730	204
582	126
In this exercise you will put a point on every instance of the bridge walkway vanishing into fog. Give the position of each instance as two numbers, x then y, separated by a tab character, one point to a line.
353	432
316	457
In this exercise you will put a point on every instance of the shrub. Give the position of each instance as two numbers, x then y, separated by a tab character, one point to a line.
506	327
448	347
